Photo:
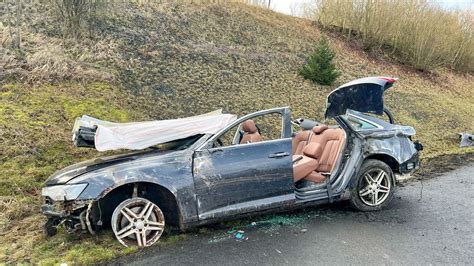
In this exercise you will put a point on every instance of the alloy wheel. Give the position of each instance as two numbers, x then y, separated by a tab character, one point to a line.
375	187
137	222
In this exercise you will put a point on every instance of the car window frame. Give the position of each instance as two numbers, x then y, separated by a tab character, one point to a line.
285	112
376	126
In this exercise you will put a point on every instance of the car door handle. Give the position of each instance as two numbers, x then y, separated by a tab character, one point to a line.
278	155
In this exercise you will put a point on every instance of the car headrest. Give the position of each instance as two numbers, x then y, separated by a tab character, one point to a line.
249	126
319	129
301	135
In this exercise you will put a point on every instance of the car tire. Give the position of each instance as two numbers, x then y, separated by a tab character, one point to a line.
374	186
50	226
137	222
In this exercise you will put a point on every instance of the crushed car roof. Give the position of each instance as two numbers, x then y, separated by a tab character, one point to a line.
140	135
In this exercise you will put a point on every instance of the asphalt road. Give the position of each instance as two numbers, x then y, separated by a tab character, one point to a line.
433	225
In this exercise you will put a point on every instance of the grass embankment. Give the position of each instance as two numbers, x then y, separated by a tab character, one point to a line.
35	124
179	61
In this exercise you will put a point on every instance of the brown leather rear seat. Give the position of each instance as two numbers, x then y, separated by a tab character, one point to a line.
331	141
305	164
299	141
319	155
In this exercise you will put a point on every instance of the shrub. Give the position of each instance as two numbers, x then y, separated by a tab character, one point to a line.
421	34
319	67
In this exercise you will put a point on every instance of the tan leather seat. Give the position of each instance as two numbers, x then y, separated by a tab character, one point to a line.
299	142
331	141
305	164
251	134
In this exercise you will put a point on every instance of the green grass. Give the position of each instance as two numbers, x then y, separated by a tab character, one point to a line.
35	127
233	56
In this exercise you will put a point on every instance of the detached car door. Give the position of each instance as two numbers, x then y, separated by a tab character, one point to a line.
231	177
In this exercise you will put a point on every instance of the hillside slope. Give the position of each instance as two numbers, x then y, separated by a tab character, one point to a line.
167	61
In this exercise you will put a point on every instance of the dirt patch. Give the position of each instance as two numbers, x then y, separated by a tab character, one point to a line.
432	167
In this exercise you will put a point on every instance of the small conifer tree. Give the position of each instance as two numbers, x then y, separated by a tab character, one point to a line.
319	67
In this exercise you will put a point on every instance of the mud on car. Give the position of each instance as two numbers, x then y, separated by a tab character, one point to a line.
210	168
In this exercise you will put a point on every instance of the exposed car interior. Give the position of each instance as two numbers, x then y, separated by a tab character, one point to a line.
315	152
258	129
251	132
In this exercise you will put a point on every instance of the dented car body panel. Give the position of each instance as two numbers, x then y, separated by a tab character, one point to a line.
220	180
171	170
386	138
211	183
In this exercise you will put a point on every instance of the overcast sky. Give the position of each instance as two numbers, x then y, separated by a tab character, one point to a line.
285	6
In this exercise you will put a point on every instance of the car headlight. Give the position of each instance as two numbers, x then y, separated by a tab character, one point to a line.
63	192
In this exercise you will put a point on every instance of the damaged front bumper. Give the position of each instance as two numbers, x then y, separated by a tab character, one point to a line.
61	207
73	215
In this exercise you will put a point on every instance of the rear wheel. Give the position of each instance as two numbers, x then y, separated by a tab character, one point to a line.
138	222
374	186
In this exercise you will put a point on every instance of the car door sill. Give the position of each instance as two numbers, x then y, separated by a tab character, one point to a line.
249	206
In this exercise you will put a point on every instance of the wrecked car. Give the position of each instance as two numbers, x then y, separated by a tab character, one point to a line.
215	166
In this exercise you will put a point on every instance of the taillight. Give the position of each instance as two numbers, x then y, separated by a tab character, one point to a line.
391	80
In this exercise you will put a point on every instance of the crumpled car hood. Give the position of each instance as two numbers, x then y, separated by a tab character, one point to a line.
66	174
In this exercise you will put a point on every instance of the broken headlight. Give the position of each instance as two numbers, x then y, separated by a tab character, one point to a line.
63	192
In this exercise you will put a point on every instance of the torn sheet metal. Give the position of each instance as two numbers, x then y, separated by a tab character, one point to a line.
466	140
140	135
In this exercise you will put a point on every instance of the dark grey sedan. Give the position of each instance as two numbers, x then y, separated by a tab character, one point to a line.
258	163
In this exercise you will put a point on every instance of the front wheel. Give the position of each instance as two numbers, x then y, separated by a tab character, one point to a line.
138	222
374	186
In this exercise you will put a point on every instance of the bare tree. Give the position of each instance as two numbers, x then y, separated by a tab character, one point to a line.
18	24
12	17
77	15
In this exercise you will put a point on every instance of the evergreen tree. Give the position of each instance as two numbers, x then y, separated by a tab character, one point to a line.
319	67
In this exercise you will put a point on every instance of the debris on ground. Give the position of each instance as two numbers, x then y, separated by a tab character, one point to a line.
273	223
239	235
466	139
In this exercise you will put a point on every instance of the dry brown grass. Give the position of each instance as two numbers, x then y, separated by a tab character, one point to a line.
418	33
48	61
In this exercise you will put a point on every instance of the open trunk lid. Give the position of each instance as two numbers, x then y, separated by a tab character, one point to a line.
363	95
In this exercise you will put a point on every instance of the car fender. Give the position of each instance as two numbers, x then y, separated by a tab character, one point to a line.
400	148
172	173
